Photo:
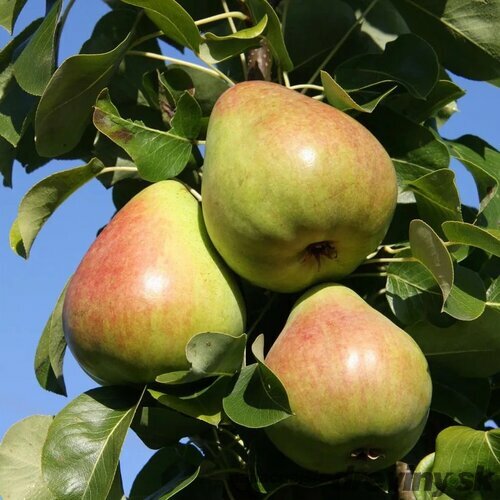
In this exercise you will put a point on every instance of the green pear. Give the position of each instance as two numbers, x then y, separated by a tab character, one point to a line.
150	282
294	191
358	385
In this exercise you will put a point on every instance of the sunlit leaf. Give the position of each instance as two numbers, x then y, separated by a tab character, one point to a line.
21	460
66	104
40	202
468	234
34	67
9	11
49	355
468	462
158	155
80	455
429	249
339	98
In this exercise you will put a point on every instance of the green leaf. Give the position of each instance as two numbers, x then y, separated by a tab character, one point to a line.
49	355
437	198
80	455
261	9
467	348
7	153
173	20
429	249
204	404
40	202
482	161
207	88
339	98
209	354
464	34
313	29
405	140
423	484
467	299
258	398
217	48
167	472
493	293
15	104
383	23
468	462
463	399
159	427
186	121
412	291
408	60
20	460
66	104
34	67
444	93
468	234
158	155
9	10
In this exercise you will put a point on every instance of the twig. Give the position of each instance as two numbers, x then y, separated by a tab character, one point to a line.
229	15
230	20
117	168
153	55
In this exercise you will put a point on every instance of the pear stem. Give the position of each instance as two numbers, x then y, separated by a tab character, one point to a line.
227	14
210	71
194	193
307	86
230	20
117	169
286	79
341	42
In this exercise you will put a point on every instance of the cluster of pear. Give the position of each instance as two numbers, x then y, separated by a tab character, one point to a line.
294	193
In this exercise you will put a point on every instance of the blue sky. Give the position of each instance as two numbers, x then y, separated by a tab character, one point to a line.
29	289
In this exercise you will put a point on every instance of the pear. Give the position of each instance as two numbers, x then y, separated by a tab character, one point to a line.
358	385
294	191
150	282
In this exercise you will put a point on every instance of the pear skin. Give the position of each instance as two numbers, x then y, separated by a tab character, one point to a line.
150	282
358	385
295	192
